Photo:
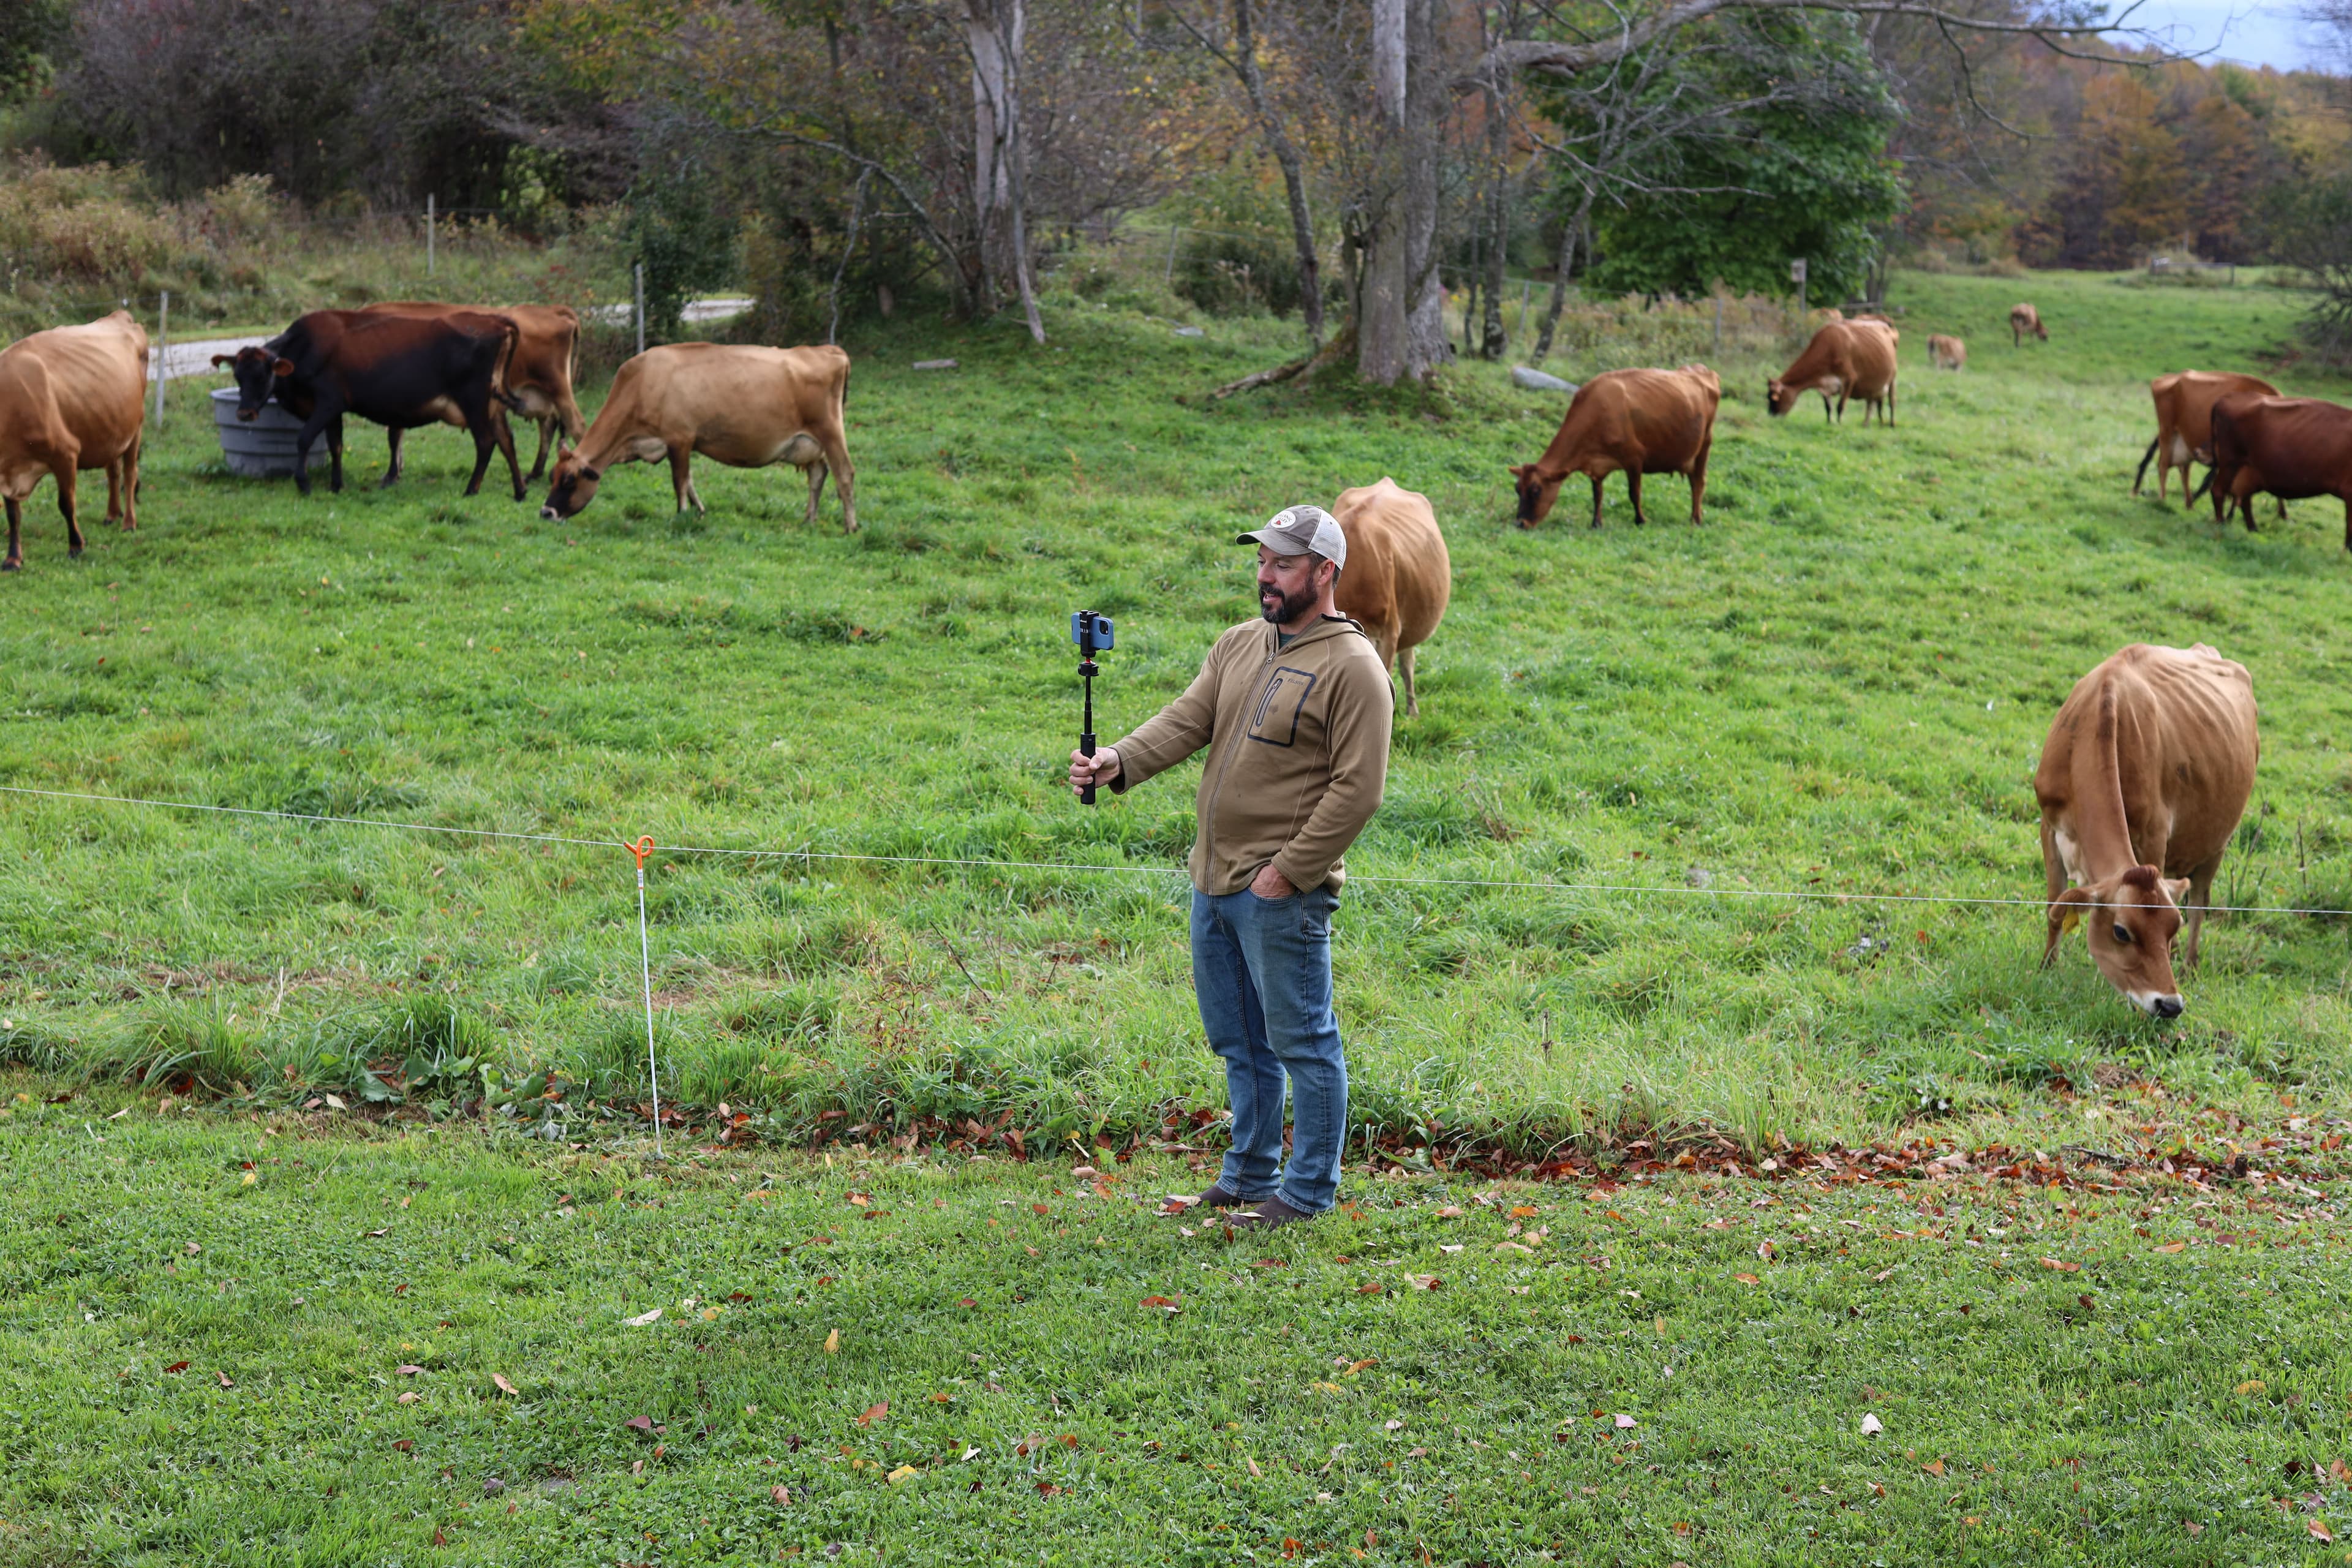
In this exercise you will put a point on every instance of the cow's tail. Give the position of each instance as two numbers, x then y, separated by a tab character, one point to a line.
508	337
2146	458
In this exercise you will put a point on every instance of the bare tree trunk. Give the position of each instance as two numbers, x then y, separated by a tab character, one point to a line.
993	33
1569	237
1498	222
1400	315
1294	173
1380	310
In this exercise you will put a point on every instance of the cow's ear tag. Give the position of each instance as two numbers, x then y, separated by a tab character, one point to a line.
2071	919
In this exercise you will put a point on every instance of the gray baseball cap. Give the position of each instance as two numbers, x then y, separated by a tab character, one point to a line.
1302	530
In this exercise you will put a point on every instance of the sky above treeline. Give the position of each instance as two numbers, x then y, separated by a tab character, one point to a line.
2248	31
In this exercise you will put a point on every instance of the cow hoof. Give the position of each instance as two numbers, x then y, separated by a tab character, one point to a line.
73	553
14	564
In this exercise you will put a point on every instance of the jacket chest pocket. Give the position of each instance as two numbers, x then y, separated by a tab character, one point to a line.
1273	717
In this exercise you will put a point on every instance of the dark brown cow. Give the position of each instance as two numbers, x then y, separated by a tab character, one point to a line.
537	374
2142	782
1633	422
741	405
1846	360
2293	447
72	398
399	371
2184	422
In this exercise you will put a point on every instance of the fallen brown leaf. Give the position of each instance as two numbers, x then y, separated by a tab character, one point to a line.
639	1423
2318	1528
226	1381
404	1443
874	1414
503	1385
1748	1280
2174	1247
1934	1467
779	1495
2062	1268
832	1342
177	1366
407	1371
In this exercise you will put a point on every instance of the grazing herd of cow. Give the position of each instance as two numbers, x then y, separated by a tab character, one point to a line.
72	399
2145	772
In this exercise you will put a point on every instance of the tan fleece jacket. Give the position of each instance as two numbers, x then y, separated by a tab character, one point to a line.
1298	751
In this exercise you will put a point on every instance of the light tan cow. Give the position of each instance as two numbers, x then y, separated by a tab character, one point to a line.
1946	354
2142	780
744	407
2184	424
1633	422
72	398
1846	360
2024	319
1398	577
538	373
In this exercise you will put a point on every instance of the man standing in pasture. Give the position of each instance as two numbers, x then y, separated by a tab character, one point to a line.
1295	708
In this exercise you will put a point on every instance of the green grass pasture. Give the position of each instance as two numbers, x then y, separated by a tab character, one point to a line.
258	1341
1837	686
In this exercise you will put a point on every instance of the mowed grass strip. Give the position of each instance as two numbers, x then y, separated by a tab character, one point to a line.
1837	687
261	1340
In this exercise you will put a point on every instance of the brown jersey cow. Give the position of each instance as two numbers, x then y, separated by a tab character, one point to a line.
2184	422
2024	319
1398	577
1633	422
1946	354
538	372
72	398
1846	360
744	407
2293	447
2141	784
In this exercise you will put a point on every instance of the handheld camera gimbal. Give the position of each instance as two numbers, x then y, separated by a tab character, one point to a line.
1092	633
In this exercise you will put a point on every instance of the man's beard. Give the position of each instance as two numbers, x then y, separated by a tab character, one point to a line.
1283	609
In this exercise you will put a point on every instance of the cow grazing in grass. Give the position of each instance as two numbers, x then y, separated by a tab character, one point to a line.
1846	360
2142	780
746	407
401	371
538	373
1633	422
2293	447
2024	319
1946	354
2184	422
72	398
1398	577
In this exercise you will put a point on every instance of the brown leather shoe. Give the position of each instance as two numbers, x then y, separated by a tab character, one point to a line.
1272	1214
1220	1196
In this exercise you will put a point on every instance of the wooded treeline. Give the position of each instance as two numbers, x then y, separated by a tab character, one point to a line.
1350	159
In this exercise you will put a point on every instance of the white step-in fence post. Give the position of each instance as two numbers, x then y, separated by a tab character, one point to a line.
163	353
640	270
428	234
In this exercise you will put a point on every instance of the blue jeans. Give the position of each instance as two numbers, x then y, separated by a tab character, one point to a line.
1262	969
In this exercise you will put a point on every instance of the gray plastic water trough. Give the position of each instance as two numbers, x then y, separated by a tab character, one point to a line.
263	449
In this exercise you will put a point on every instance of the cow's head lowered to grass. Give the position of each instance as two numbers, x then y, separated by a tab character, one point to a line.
570	485
1536	490
2130	919
257	368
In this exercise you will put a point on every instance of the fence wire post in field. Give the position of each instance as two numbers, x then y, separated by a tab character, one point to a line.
641	848
639	271
162	354
428	236
1168	278
1718	326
